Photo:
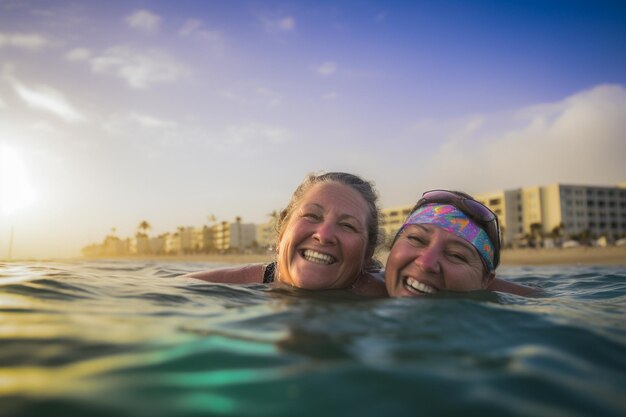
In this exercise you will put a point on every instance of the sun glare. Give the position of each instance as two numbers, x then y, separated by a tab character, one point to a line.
15	189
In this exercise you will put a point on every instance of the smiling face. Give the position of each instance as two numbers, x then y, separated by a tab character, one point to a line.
426	259
325	240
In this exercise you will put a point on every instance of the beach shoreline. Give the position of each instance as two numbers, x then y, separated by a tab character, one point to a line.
583	255
510	257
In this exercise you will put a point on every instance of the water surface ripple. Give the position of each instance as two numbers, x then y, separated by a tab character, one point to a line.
121	338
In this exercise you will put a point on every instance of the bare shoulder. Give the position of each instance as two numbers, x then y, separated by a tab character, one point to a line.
247	274
371	284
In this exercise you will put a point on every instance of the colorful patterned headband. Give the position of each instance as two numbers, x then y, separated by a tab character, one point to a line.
453	220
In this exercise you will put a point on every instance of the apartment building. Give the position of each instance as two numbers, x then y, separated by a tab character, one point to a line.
233	236
266	234
558	211
392	219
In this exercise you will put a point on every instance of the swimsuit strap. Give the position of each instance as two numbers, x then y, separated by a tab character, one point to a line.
268	275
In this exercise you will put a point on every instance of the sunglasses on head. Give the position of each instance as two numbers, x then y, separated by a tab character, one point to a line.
476	211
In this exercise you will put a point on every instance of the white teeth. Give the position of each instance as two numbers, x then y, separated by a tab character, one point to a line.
418	286
318	258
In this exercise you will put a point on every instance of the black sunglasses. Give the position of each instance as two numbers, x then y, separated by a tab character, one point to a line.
475	210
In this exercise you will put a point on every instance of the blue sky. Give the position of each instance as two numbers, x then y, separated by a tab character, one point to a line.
116	112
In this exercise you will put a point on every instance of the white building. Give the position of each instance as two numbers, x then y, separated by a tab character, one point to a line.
557	211
235	236
266	234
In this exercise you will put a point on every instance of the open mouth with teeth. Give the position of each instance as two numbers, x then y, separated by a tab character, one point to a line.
317	257
416	287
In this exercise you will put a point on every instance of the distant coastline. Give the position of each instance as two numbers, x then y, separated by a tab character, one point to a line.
611	255
583	255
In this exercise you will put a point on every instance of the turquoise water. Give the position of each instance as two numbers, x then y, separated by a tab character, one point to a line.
129	338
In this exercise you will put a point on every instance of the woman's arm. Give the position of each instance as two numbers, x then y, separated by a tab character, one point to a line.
501	285
248	274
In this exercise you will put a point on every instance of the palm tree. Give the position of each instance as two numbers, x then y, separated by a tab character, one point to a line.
536	233
240	244
143	227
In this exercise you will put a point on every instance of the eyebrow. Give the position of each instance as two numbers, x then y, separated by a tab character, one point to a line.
422	227
341	217
459	242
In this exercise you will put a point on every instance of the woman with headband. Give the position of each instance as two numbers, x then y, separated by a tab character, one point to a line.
449	242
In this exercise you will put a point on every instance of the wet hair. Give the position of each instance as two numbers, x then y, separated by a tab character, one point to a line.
364	188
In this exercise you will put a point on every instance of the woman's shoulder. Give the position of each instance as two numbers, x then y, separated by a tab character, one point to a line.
372	284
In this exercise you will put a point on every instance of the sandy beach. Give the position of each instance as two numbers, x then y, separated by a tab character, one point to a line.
570	256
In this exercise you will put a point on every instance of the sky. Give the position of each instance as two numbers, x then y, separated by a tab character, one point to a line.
116	112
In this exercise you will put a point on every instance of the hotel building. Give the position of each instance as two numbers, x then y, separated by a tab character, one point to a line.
556	211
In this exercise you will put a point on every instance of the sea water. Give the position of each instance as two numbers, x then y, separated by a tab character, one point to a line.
122	338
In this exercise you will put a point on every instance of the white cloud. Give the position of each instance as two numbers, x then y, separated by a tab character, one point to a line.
78	54
275	25
193	28
30	41
287	24
577	140
331	95
189	27
2	104
261	96
139	69
255	134
147	134
48	99
327	68
144	21
151	122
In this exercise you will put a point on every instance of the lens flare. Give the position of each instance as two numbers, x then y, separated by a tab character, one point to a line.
16	191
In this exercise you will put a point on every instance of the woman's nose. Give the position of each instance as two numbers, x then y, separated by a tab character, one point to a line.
429	259
325	232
